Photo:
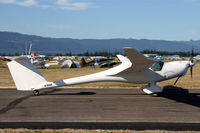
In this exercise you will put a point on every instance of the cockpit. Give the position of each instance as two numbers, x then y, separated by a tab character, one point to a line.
157	66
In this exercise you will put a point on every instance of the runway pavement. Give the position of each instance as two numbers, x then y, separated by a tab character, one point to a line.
80	106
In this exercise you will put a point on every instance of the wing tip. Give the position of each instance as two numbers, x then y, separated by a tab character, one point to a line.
122	58
127	48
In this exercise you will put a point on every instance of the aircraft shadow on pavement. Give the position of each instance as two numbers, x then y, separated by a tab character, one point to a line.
181	95
76	93
17	101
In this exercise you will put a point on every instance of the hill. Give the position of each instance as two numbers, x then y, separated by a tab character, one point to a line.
11	42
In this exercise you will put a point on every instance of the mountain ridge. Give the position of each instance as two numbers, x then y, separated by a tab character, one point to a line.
14	42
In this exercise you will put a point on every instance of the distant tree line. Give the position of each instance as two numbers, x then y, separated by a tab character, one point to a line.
182	54
97	53
5	54
110	54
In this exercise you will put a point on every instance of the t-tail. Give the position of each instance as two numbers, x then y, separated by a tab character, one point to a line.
25	75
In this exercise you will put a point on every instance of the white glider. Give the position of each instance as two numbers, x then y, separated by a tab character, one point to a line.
134	69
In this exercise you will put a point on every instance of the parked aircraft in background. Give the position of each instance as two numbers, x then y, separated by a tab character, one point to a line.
101	62
134	69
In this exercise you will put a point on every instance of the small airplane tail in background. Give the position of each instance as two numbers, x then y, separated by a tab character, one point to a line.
25	75
83	62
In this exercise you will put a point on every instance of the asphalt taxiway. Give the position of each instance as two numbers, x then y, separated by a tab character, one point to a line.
82	107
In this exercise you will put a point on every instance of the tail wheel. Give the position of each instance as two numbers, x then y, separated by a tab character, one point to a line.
36	92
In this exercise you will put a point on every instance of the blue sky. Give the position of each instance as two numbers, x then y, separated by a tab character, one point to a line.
100	19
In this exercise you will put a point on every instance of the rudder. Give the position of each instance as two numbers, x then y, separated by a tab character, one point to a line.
24	74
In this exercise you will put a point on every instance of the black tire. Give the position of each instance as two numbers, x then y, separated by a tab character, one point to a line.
36	92
158	94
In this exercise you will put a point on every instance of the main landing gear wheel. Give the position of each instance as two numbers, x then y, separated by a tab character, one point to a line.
157	94
36	92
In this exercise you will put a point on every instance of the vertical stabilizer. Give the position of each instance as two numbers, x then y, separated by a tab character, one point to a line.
24	74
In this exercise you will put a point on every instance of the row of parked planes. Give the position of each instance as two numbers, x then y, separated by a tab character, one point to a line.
67	61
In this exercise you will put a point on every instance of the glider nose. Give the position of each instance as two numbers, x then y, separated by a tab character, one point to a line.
192	63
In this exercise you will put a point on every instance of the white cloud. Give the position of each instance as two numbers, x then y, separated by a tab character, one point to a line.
68	5
62	4
26	3
7	1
